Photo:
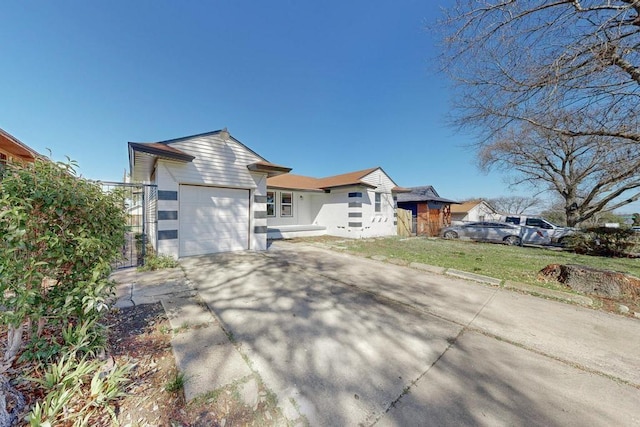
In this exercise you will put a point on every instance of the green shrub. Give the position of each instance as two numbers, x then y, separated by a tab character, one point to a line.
60	234
77	392
603	241
158	262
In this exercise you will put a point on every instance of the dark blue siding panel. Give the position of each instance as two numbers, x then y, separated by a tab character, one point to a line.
168	215
167	234
167	195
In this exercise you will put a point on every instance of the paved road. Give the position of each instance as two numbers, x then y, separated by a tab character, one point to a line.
345	341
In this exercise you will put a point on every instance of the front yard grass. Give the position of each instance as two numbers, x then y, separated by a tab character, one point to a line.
520	264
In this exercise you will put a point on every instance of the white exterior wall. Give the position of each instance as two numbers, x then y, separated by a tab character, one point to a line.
381	223
344	215
259	207
376	224
333	213
380	179
217	163
481	212
166	182
303	208
223	163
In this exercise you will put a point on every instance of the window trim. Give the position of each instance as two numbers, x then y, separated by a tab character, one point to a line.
283	204
377	208
273	203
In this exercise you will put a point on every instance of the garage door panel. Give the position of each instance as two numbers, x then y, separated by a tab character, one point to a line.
213	220
201	247
204	232
202	217
199	213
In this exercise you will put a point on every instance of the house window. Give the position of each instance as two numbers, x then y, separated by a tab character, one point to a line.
378	204
271	203
286	204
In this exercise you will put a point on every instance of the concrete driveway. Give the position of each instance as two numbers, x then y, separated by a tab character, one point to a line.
347	341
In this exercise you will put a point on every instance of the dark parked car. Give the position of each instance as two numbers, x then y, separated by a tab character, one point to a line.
499	232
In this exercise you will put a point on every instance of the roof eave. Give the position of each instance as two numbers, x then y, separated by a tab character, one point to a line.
294	188
268	168
143	157
397	189
169	155
351	184
20	149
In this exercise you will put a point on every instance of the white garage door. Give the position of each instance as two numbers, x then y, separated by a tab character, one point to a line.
213	220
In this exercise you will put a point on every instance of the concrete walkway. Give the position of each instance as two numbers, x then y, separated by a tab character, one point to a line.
344	340
202	349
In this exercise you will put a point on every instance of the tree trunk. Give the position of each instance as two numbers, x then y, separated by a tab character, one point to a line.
606	283
14	342
571	210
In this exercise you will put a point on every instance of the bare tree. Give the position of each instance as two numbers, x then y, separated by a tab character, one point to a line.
515	204
552	87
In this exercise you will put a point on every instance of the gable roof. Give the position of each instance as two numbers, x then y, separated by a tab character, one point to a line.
300	182
16	148
467	206
423	194
144	154
349	178
222	131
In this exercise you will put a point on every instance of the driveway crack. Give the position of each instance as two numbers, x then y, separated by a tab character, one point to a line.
452	342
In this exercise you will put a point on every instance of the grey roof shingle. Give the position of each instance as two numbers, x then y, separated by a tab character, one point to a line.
423	194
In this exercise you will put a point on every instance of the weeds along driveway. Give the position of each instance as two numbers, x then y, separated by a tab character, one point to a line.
347	341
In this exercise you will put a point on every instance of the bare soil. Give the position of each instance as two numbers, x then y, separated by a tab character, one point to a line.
141	335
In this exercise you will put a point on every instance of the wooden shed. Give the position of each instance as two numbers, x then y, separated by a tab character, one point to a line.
430	211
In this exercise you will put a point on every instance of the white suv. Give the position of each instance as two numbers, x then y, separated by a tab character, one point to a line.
556	232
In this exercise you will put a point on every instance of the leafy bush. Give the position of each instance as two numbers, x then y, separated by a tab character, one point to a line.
60	234
603	241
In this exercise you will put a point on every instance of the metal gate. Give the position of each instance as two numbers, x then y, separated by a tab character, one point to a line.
139	204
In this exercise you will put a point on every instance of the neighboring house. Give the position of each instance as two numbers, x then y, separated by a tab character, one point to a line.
429	211
356	204
13	150
474	210
211	193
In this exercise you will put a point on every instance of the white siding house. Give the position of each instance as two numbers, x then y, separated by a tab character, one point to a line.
356	205
211	193
475	210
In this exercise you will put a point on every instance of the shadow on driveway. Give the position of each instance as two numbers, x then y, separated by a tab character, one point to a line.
344	341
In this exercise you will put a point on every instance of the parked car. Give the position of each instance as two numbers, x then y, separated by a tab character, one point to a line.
556	233
499	232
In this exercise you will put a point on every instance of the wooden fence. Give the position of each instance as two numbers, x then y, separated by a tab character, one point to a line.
404	222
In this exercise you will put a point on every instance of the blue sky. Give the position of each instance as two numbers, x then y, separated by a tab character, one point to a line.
322	87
